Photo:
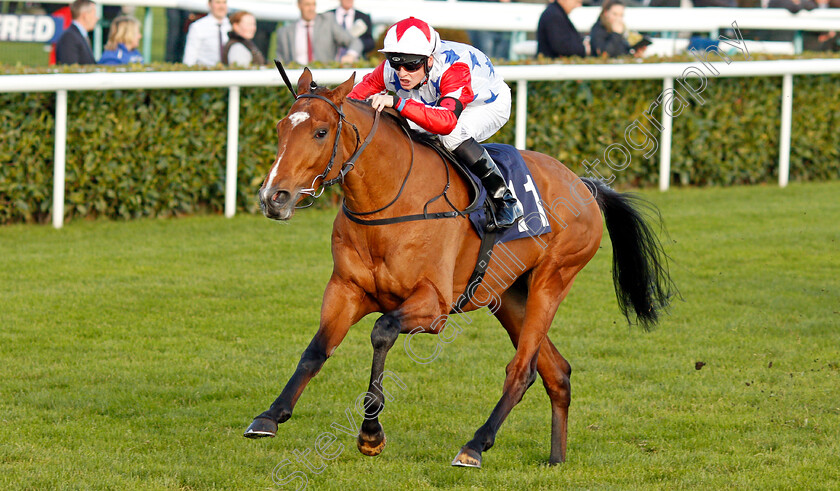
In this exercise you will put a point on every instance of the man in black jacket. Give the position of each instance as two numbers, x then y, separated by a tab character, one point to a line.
74	46
556	35
356	23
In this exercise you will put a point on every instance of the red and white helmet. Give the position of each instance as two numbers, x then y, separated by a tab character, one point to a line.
412	37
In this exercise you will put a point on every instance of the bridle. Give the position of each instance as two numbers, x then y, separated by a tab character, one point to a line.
316	192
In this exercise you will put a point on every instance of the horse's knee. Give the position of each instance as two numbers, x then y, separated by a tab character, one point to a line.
385	332
519	378
312	360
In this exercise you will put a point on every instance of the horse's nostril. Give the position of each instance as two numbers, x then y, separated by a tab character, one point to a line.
280	197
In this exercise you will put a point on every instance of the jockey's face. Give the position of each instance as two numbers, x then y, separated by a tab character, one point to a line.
411	79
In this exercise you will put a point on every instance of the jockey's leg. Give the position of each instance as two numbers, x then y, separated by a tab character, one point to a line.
478	161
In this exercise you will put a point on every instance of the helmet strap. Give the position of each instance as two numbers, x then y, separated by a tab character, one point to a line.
426	71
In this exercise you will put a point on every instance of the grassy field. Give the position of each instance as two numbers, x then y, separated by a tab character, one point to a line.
134	355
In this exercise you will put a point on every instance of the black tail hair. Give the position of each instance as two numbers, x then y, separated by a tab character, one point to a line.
640	265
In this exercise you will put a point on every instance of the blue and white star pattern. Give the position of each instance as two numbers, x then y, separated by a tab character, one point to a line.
486	84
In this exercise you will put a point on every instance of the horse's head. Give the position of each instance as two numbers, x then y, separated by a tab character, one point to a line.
306	140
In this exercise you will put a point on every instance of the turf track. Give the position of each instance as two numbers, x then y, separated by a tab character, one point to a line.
134	354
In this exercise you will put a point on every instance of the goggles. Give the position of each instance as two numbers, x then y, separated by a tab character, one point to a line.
411	63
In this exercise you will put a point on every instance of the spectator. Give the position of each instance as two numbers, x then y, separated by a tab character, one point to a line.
495	44
793	6
123	41
176	34
207	36
316	37
822	41
240	48
556	35
74	45
468	101
265	29
356	23
607	35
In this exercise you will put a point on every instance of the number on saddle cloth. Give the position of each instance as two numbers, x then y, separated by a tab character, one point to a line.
523	188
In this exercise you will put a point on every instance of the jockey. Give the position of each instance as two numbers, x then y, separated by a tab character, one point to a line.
448	89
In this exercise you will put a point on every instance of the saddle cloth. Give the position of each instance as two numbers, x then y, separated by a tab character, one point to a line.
522	185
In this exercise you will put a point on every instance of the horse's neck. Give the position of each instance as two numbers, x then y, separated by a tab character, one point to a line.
382	167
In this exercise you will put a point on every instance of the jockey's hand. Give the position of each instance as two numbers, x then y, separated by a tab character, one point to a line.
381	101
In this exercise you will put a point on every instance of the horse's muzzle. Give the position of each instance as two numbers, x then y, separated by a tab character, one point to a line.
276	204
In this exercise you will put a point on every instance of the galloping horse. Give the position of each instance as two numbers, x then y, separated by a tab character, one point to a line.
412	271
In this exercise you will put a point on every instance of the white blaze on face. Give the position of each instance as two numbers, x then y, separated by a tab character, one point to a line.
273	172
298	118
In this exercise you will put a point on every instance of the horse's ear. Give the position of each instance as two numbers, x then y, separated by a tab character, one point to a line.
339	93
304	81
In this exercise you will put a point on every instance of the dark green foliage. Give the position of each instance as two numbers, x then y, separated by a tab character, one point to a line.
134	153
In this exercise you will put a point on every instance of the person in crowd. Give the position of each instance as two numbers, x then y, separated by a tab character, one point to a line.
822	41
316	37
265	29
793	6
123	41
556	35
607	36
494	43
74	45
176	34
447	89
356	23
207	36
240	48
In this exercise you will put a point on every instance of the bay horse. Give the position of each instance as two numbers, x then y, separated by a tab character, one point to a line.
411	272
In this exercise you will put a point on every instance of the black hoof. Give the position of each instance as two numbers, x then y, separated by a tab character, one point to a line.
261	428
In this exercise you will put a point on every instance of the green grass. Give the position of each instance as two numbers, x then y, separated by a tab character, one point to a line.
134	354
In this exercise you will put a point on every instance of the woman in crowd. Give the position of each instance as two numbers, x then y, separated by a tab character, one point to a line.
240	48
609	36
123	41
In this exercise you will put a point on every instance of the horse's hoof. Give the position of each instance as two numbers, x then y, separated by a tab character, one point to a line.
467	457
371	445
552	461
261	428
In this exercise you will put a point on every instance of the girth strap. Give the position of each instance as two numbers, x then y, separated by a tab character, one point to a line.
485	253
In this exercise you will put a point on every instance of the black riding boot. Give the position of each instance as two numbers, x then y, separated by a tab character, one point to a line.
478	161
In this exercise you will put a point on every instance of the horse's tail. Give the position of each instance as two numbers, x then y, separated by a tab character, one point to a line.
640	266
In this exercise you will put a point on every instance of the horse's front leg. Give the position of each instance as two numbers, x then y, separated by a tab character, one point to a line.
344	305
421	309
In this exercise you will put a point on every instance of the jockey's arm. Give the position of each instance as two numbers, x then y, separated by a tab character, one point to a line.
456	93
372	83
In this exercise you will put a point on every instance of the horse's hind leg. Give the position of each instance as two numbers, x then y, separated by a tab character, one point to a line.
541	305
552	367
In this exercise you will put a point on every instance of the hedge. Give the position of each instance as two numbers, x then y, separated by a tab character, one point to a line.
133	153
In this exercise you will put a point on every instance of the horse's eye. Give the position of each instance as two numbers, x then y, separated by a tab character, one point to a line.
319	134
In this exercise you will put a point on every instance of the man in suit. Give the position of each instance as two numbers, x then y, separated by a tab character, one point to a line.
556	35
356	23
316	37
74	46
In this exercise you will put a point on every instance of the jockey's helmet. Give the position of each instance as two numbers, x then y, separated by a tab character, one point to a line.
411	37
